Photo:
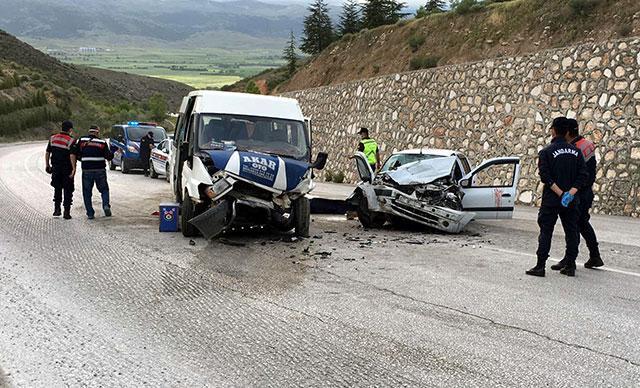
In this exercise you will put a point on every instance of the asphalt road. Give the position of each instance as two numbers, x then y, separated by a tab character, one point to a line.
112	302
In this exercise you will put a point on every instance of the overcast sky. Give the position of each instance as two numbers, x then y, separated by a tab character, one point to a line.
412	3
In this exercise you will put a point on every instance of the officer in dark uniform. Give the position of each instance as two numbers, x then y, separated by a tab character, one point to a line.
93	153
146	144
58	164
588	150
563	172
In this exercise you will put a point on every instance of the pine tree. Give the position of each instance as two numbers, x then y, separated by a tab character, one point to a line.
435	6
377	13
318	31
350	22
289	55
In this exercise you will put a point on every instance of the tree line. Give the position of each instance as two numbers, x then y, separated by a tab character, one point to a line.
320	31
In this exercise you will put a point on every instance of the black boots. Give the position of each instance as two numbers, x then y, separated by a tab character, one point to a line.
568	271
593	262
67	213
57	212
538	270
559	266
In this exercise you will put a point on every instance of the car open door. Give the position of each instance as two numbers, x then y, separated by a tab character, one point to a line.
490	189
178	154
364	169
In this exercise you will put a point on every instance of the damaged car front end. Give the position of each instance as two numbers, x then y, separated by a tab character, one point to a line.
242	160
254	189
423	192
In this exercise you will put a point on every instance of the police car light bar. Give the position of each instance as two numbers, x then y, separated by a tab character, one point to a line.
133	123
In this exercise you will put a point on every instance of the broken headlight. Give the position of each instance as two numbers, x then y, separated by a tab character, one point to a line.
218	188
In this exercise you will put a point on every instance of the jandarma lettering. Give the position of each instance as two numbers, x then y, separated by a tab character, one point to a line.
562	151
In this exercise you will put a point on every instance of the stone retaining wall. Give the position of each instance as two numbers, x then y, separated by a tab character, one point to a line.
495	108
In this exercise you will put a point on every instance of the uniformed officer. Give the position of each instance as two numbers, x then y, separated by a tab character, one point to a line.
563	172
146	145
588	150
58	164
369	147
93	153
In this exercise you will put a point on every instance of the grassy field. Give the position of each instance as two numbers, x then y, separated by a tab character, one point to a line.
200	68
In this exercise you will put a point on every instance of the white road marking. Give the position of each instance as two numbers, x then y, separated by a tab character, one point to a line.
609	269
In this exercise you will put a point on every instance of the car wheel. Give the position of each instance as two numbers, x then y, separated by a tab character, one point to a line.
301	210
167	173
112	166
367	218
152	171
123	166
188	211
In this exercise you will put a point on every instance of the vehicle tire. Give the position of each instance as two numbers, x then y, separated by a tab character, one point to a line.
367	218
301	212
123	166
152	171
112	166
167	173
188	211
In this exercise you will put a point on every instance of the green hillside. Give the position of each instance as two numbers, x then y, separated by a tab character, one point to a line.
489	29
38	91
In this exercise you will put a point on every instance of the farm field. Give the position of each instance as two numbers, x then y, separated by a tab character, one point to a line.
210	68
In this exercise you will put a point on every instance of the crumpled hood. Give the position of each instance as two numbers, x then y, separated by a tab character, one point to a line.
423	171
272	171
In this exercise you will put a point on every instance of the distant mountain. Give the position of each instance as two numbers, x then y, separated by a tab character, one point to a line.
165	20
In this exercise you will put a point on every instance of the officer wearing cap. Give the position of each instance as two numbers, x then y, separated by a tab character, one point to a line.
369	147
93	153
588	150
563	172
58	164
146	145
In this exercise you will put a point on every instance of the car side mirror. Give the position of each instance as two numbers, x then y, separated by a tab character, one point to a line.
321	161
120	139
465	183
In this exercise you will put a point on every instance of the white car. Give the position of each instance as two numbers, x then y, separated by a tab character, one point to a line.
160	159
436	188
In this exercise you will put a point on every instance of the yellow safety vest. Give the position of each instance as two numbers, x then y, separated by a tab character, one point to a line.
370	150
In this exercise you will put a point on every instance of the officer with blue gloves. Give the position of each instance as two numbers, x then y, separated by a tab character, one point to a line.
563	172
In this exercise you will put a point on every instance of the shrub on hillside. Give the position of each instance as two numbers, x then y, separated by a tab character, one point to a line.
624	30
328	176
583	7
415	41
466	6
338	177
252	88
423	62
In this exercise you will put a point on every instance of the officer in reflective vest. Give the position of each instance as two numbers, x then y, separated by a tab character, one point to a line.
369	147
93	153
58	164
588	150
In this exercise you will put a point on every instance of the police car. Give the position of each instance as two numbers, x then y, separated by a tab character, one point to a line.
160	158
125	144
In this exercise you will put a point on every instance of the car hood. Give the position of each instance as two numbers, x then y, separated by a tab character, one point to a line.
268	170
423	171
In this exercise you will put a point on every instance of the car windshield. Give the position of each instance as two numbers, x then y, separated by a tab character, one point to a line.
136	133
248	133
398	160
